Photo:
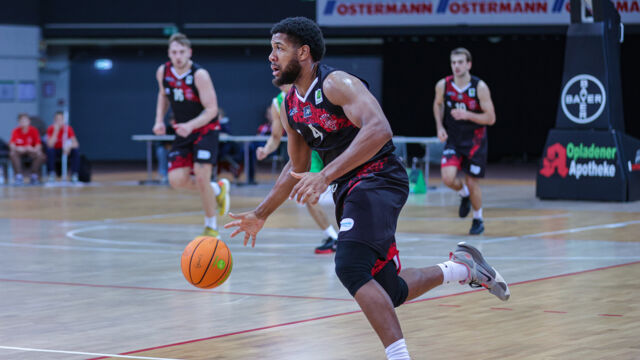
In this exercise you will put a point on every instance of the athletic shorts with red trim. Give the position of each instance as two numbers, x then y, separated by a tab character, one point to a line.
468	154
201	146
368	205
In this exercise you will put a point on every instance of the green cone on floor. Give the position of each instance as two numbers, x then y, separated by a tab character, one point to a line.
416	181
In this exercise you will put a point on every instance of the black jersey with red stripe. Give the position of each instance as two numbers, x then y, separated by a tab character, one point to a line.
182	93
466	99
323	125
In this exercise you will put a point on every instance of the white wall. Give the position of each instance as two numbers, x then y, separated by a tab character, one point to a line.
55	72
18	62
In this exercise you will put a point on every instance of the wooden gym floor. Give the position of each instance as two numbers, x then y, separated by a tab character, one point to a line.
94	272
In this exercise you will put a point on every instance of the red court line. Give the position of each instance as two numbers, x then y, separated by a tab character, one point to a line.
357	311
614	315
234	333
172	290
503	309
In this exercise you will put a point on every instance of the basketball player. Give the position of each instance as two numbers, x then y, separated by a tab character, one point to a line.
330	243
189	90
334	113
463	109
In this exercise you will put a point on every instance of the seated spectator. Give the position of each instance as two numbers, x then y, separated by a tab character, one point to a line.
61	141
25	144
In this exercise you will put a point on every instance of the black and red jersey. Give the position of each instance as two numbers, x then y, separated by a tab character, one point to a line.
466	99
182	93
323	125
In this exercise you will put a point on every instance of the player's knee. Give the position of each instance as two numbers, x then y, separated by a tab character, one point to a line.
177	181
202	180
448	180
351	274
394	286
472	184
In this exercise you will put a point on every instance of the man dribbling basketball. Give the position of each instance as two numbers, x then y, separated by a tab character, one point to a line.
333	112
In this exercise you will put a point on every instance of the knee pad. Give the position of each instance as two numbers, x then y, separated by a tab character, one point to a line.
352	274
393	284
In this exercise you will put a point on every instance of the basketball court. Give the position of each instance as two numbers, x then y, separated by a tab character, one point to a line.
93	272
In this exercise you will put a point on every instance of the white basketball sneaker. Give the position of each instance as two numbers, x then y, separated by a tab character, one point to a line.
481	274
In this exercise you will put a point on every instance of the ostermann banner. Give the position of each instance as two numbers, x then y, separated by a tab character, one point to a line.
347	13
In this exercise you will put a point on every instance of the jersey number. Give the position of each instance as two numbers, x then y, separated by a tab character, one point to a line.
461	106
178	95
316	133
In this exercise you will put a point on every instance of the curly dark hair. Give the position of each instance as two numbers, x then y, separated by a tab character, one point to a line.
303	31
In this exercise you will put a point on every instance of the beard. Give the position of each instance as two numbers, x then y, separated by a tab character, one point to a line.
289	74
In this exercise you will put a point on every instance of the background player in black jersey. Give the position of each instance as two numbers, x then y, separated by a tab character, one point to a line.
189	90
334	113
462	109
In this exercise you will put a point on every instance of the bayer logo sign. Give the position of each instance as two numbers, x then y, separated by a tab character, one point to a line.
583	98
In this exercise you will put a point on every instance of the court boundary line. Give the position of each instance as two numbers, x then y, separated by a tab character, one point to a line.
214	292
82	353
560	232
358	311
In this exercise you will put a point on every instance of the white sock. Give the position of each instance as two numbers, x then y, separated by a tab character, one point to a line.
397	351
453	272
464	192
216	188
211	222
331	232
477	214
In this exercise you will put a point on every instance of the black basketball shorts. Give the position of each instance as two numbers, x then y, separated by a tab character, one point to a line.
201	146
468	153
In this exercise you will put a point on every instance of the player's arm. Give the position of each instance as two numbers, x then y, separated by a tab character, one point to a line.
299	159
162	106
487	116
208	98
363	110
438	110
276	134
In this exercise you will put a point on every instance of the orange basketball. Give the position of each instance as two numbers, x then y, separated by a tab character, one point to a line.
206	262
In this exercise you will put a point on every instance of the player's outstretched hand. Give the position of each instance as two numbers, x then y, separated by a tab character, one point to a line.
309	188
247	222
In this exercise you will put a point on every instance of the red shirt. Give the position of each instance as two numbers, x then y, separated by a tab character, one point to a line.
58	144
20	138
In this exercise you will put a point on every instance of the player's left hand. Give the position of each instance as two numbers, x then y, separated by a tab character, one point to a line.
309	188
183	129
460	114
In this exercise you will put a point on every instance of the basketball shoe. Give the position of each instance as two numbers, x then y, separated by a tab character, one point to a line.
465	206
223	198
328	246
481	274
210	232
477	227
